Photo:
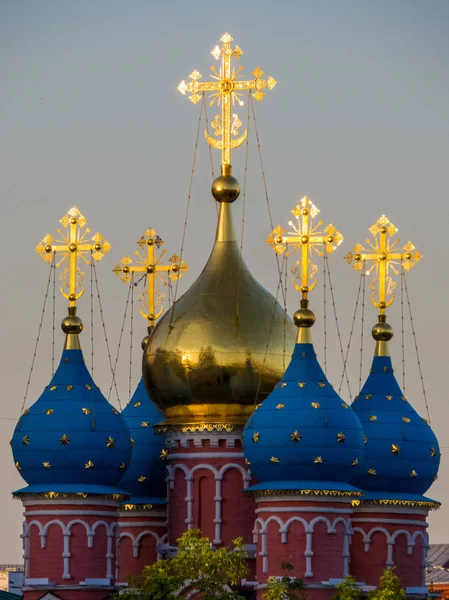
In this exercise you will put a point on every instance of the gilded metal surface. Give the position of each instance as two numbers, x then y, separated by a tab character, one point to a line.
226	90
150	265
384	258
65	496
305	239
74	246
162	429
331	493
138	507
412	503
222	347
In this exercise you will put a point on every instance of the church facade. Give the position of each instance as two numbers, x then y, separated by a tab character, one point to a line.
234	428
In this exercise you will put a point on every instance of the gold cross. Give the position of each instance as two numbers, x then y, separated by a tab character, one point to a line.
75	246
151	267
385	257
305	238
226	90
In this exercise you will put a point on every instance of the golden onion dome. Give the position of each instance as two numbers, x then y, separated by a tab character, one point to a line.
224	344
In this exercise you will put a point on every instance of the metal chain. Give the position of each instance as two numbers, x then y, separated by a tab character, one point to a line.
325	311
245	180
237	304
402	331
210	147
279	287
121	335
338	327
39	330
131	338
362	328
53	319
351	333
416	350
285	313
187	213
92	318
264	179
105	335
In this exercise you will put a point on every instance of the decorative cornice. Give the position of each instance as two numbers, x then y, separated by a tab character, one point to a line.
328	493
164	428
385	502
65	496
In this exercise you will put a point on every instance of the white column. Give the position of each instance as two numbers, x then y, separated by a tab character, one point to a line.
218	499
109	556
66	555
263	551
117	553
389	563
26	552
424	562
136	549
308	554
346	555
189	500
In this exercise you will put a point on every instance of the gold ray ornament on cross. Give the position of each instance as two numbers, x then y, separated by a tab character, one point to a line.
305	239
226	90
151	266
74	245
384	257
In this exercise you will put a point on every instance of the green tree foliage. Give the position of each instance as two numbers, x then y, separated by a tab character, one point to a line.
287	587
199	566
347	589
390	587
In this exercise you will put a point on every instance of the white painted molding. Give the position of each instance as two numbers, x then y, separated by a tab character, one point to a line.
391	521
68	513
406	510
305	509
51	502
144	524
195	455
298	498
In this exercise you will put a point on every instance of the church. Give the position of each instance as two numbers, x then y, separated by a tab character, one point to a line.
234	428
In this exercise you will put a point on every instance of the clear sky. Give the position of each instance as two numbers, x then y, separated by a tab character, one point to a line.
90	115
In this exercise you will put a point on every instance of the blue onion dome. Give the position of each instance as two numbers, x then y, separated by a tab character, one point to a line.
402	455
303	435
145	476
71	439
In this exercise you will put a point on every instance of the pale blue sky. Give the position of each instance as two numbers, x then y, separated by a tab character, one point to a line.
90	115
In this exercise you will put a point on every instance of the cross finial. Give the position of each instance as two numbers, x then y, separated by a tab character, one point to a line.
150	265
75	245
305	238
384	257
226	89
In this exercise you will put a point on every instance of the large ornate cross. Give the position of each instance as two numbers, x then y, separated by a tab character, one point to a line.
151	267
305	239
226	90
74	246
384	256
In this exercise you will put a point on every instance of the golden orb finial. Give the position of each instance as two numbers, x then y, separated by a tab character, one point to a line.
226	188
72	326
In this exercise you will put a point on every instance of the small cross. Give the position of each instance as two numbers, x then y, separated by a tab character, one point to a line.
226	90
151	267
305	238
74	246
385	256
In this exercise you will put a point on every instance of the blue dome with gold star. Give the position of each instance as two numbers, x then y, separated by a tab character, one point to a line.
402	455
71	439
145	476
304	434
